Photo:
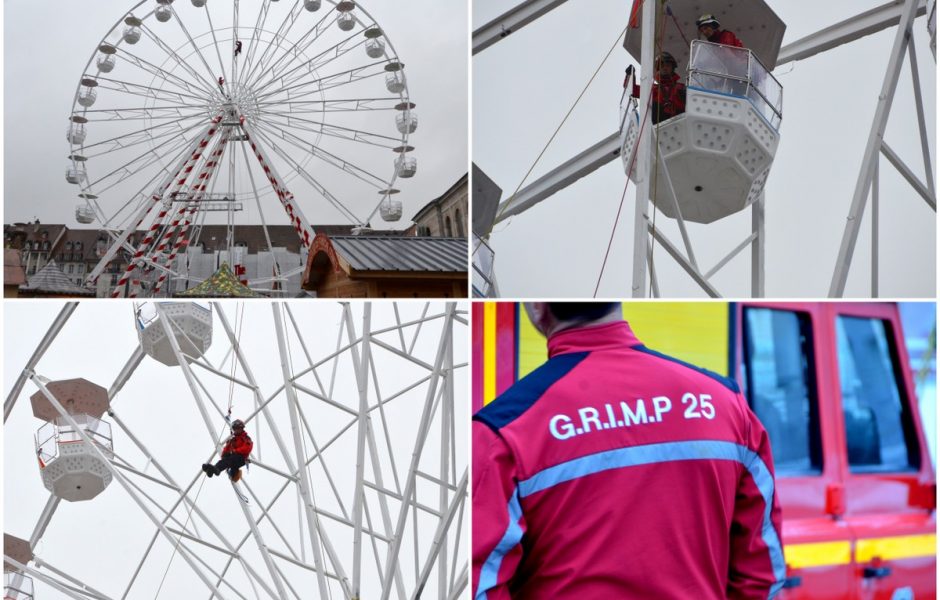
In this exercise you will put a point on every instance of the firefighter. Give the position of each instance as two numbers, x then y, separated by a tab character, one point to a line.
614	471
238	47
710	29
234	453
668	91
221	81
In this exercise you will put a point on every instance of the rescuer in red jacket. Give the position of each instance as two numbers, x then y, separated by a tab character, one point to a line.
711	30
234	453
614	471
668	92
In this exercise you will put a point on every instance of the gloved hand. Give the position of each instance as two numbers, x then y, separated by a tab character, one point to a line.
630	70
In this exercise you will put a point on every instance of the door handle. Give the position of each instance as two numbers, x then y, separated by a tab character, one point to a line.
876	572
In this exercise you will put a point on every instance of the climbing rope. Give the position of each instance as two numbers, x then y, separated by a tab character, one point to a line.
622	33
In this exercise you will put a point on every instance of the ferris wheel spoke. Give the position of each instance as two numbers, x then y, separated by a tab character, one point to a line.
205	82
331	159
141	90
296	167
337	131
314	34
197	88
215	43
339	104
347	76
119	142
195	47
140	113
253	43
173	145
289	19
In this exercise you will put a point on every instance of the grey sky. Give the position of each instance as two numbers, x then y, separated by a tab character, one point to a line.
101	540
430	38
524	85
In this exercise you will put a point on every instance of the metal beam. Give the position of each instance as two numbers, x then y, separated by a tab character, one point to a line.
872	21
511	21
677	256
908	175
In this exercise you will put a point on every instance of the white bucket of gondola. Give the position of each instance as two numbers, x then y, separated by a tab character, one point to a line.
199	3
395	82
87	96
406	166
312	5
190	322
163	13
407	122
70	468
375	48
346	21
390	209
84	214
75	175
76	133
17	586
131	34
106	63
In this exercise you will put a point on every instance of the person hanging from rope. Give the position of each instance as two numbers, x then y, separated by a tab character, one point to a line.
668	92
238	47
234	453
221	81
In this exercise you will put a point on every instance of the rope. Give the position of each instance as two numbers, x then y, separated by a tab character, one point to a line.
678	27
560	125
239	319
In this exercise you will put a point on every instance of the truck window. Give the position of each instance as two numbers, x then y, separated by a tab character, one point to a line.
780	385
879	429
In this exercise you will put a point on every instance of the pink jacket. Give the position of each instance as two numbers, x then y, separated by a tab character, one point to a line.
613	471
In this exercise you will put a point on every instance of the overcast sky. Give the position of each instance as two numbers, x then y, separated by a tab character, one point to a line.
524	85
430	38
100	541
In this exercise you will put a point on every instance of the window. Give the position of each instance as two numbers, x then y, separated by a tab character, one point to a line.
448	232
780	385
879	429
68	269
458	221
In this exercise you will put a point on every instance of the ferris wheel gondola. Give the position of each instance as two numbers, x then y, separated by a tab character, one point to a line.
263	103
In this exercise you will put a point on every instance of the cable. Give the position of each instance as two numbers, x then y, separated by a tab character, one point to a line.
557	129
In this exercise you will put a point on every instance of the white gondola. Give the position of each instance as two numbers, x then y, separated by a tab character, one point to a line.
84	214
87	96
406	166
346	21
76	133
17	586
191	324
312	5
407	122
75	175
395	82
199	3
375	48
163	13
390	210
70	469
106	63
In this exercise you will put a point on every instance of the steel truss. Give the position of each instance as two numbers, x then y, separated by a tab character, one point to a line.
388	519
896	13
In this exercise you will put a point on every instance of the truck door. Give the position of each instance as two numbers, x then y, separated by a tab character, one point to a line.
890	484
783	374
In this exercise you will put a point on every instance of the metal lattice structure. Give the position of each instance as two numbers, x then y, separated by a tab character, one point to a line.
237	113
897	14
357	486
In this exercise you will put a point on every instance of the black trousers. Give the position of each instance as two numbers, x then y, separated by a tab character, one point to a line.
232	462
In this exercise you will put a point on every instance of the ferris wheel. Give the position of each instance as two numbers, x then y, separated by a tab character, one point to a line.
248	112
356	485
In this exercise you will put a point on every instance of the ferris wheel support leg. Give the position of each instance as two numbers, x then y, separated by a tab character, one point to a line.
391	562
447	417
460	586
644	157
654	280
439	545
119	477
313	522
874	233
872	148
44	344
362	383
757	248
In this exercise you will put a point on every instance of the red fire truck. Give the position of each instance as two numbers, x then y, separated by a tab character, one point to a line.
833	386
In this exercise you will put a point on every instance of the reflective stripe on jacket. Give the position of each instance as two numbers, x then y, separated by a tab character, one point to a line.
613	471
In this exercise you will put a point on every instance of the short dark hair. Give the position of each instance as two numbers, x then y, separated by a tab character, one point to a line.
581	311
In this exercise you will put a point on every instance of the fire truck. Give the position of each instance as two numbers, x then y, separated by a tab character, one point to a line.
833	386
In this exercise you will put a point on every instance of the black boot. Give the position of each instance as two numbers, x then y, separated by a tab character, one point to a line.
209	470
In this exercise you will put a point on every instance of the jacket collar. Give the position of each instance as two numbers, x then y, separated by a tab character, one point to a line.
609	336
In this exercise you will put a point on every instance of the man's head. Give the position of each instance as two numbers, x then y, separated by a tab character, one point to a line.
666	65
238	426
707	25
551	317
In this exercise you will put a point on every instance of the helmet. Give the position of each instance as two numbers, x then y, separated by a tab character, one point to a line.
238	424
669	58
707	19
